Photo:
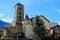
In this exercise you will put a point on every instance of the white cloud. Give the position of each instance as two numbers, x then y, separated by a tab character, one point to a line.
57	10
7	20
1	15
59	23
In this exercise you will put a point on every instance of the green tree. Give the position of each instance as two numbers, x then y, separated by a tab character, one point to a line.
39	28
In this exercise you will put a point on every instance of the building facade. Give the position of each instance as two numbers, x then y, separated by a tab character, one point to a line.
16	26
55	31
46	24
21	28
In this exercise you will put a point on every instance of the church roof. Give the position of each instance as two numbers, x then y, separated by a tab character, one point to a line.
43	17
58	26
19	4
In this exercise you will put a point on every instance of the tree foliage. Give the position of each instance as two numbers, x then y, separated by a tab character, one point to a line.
39	28
1	34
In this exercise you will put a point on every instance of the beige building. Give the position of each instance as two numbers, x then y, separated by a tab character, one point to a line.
27	28
16	26
46	21
23	27
55	31
46	24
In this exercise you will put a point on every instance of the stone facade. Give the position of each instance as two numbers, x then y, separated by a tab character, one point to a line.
16	25
23	27
46	24
55	31
27	28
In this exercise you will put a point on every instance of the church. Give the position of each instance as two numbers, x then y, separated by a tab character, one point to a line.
21	28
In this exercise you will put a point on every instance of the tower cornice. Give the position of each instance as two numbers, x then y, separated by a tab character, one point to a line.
18	4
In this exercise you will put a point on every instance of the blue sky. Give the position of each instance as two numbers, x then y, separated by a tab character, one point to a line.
48	8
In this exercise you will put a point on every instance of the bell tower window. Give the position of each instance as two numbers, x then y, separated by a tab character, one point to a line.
20	8
19	15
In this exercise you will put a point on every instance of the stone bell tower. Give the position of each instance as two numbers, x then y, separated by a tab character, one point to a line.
18	17
19	12
15	29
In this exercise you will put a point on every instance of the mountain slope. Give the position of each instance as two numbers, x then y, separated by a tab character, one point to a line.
3	24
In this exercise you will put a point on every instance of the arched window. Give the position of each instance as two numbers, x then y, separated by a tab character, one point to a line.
20	15
20	8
